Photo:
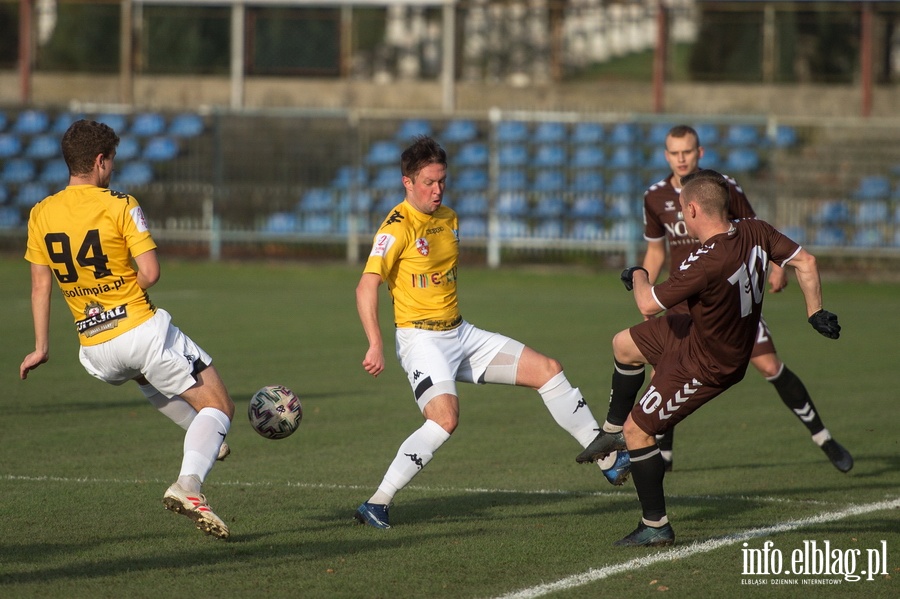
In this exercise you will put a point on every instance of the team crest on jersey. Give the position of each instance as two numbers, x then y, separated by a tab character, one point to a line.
422	246
92	309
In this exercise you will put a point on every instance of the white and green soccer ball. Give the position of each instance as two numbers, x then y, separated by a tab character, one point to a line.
275	412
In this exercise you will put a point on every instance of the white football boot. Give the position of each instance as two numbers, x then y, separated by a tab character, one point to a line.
194	506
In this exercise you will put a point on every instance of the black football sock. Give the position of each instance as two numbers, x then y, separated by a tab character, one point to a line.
647	472
627	380
795	396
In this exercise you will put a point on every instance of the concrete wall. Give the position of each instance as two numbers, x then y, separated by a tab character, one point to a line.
175	93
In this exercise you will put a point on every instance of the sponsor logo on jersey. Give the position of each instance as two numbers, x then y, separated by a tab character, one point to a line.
137	215
433	279
383	243
97	319
422	246
97	290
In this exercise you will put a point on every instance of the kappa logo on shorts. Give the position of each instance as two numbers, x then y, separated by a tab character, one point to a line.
417	374
190	358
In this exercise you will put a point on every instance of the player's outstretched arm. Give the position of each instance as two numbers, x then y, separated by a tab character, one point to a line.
823	321
41	287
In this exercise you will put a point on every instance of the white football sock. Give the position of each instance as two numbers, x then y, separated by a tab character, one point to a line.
569	409
175	409
202	441
413	455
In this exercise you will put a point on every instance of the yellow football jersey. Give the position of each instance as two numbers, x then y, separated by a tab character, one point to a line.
417	255
87	235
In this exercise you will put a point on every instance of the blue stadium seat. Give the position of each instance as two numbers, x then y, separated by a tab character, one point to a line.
186	124
785	136
549	155
623	183
512	204
129	148
316	200
280	223
30	194
588	133
586	230
795	233
830	237
10	145
549	207
868	237
316	224
43	147
63	121
474	204
656	136
348	177
625	134
588	181
148	124
625	157
870	212
549	132
511	228
512	155
740	135
511	131
588	156
383	152
832	212
708	134
160	149
657	160
742	160
133	174
472	154
55	172
31	122
470	228
387	178
873	187
470	179
711	159
359	201
4	194
113	119
10	218
549	229
622	208
17	170
512	180
386	202
549	180
410	128
588	207
459	131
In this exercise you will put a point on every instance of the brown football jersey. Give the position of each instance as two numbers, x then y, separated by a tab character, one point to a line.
724	282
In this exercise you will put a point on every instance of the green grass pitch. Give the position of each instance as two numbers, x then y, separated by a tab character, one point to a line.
501	510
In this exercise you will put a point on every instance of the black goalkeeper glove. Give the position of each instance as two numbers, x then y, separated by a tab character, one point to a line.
826	323
628	276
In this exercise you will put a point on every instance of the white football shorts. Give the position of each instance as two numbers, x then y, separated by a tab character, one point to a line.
435	360
157	349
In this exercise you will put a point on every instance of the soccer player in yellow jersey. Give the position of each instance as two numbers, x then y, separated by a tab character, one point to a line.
416	253
85	237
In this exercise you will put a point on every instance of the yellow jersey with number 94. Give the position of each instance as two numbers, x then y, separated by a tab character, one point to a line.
87	235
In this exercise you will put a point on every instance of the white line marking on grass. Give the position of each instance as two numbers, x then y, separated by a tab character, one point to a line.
427	489
594	575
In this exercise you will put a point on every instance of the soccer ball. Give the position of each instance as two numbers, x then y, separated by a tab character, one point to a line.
275	412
